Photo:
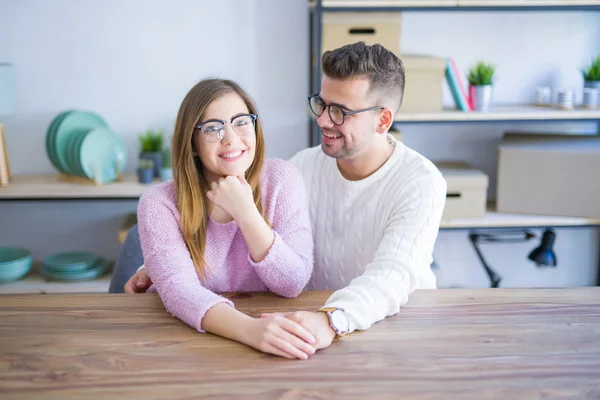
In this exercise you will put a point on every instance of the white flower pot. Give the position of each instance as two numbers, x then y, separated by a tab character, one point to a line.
481	96
592	85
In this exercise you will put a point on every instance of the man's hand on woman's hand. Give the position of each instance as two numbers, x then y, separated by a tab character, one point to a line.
317	323
279	336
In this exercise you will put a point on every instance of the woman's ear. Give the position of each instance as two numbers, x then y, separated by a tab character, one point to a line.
386	119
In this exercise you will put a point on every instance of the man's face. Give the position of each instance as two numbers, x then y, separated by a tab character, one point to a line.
357	132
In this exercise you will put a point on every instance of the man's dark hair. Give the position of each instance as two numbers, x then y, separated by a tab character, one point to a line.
380	66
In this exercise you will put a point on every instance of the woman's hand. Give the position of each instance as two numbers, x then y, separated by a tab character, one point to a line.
279	336
233	194
139	282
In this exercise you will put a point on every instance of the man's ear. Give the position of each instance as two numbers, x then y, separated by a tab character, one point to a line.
386	119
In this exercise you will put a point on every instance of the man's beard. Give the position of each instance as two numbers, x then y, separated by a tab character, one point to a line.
338	153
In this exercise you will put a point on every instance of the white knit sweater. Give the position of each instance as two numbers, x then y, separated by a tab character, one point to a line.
374	237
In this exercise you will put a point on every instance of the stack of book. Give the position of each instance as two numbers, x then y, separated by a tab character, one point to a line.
457	88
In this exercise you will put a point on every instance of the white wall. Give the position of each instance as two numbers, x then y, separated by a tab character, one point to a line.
132	61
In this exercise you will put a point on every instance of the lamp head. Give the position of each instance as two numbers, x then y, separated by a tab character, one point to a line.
543	255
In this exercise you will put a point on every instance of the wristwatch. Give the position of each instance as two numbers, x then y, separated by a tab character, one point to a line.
338	321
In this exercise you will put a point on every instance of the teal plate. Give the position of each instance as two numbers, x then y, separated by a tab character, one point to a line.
72	122
70	261
102	155
49	138
97	269
75	154
72	150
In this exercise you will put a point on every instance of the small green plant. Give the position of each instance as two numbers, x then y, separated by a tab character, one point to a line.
482	74
145	164
166	156
151	141
592	73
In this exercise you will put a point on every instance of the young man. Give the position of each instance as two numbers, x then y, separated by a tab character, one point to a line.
375	205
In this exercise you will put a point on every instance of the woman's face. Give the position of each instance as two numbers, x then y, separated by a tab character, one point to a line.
226	142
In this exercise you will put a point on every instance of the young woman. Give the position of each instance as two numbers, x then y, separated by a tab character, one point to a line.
229	221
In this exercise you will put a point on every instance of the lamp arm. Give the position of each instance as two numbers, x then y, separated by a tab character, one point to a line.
494	277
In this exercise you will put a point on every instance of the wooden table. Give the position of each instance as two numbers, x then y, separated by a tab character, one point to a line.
457	344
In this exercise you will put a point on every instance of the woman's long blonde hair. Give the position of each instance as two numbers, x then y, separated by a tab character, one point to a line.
190	185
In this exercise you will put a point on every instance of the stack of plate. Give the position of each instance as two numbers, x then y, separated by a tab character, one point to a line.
15	263
73	266
80	143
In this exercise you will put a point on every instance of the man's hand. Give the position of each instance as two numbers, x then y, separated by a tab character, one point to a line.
139	282
317	323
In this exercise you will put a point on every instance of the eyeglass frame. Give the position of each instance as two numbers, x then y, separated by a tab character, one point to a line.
222	135
341	107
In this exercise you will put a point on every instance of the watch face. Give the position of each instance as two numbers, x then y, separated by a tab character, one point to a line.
340	321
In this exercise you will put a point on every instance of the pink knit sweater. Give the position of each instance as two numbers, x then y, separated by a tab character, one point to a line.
285	270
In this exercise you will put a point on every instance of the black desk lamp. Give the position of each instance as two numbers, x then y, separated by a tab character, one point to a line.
542	255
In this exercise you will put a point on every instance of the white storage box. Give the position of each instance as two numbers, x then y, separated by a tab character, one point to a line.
552	175
467	190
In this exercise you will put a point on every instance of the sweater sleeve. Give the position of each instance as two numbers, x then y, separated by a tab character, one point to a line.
169	263
402	260
289	263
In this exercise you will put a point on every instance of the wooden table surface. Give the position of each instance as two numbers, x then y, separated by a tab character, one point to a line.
452	343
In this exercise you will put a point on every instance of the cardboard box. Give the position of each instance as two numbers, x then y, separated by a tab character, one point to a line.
467	190
549	175
424	78
424	74
343	28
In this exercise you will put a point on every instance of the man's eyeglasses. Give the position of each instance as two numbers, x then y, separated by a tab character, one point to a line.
213	130
337	114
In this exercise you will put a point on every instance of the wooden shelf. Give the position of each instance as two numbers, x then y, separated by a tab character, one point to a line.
502	113
35	187
335	5
389	3
526	3
35	283
495	219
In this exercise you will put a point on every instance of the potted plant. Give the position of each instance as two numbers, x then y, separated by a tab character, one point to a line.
151	149
145	170
591	75
481	77
166	172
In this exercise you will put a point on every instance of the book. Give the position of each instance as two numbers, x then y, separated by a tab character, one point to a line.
462	87
459	99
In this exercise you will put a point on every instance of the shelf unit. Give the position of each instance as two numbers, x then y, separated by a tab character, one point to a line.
49	187
495	220
453	5
34	283
497	113
520	113
502	113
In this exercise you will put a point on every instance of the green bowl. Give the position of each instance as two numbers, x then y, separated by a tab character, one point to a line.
15	263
